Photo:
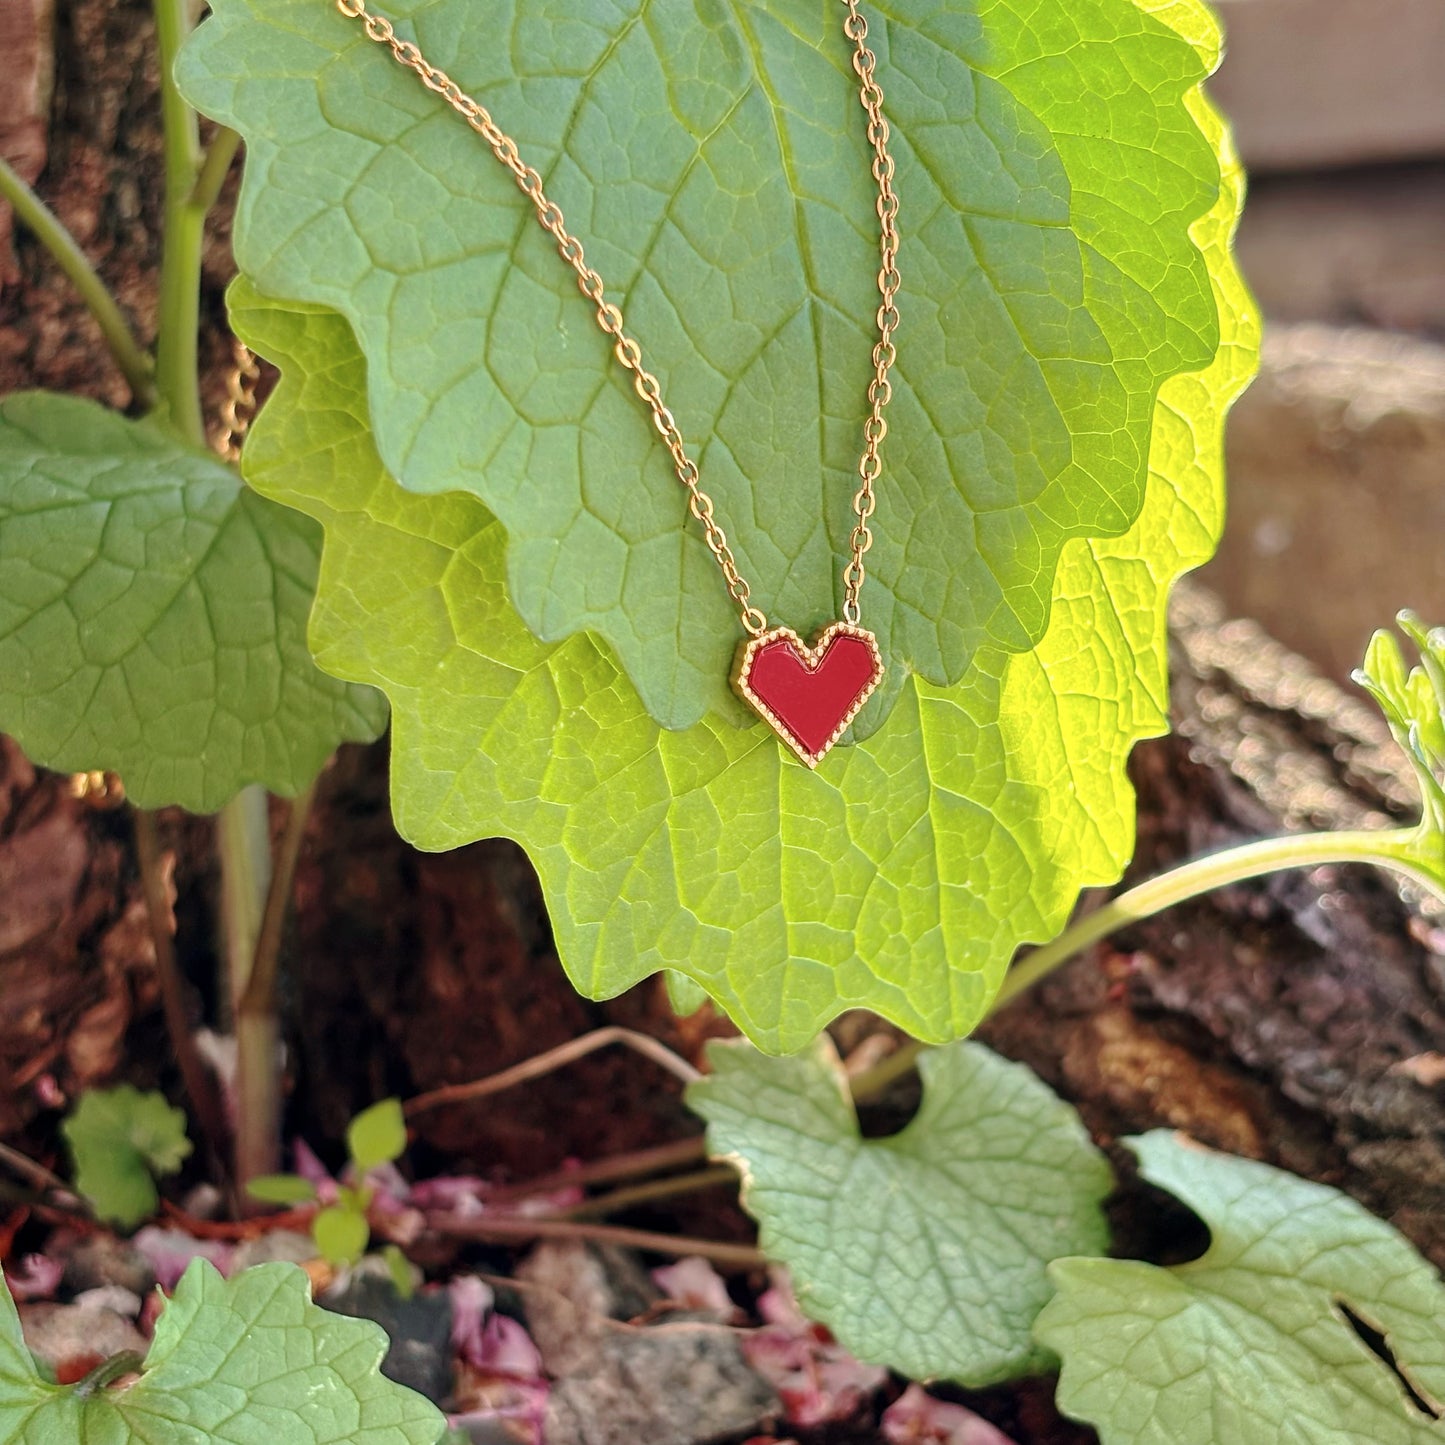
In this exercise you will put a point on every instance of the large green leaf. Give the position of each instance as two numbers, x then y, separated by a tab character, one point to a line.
901	875
925	1251
247	1360
711	154
1251	1341
153	613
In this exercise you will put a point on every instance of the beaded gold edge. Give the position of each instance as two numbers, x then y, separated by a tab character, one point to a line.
811	657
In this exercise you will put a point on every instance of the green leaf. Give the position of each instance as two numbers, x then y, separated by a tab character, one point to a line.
119	1138
341	1233
1413	701
713	159
152	613
281	1189
902	875
925	1251
377	1135
246	1360
399	1267
1250	1342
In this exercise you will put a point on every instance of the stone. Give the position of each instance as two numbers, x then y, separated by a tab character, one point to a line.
670	1383
61	1334
1315	83
98	1261
667	1384
1351	248
419	1328
1335	504
289	1246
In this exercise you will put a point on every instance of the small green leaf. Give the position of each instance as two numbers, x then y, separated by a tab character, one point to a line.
119	1139
341	1234
1413	701
153	613
1250	1342
377	1135
398	1266
245	1360
281	1189
685	995
925	1251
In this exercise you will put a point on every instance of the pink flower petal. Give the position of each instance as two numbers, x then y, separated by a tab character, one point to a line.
916	1418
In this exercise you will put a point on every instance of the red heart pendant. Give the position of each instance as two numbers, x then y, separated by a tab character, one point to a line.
809	695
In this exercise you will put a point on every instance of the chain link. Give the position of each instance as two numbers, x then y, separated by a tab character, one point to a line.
629	355
240	405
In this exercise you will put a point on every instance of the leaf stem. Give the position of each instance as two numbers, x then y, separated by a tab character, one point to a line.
636	1163
668	1188
180	292
553	1059
214	170
45	1180
259	995
258	1025
47	228
128	1362
199	1081
496	1230
243	833
1391	848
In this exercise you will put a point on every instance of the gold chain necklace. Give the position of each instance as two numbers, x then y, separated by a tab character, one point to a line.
808	694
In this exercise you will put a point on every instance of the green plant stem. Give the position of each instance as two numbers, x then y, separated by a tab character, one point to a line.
1383	848
128	1362
180	299
200	1083
1386	848
214	170
46	227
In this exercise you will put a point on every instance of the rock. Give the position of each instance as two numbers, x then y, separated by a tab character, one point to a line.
60	1334
620	1384
419	1328
670	1384
575	1289
1335	458
289	1246
1359	247
1312	83
98	1261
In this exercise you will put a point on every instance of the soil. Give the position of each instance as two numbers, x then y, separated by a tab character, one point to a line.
1277	1020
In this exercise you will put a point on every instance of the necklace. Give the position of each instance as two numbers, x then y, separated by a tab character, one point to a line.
807	693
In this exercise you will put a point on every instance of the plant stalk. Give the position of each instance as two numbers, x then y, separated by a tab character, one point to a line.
498	1230
635	1164
1389	848
214	170
177	375
258	1022
552	1060
199	1081
244	839
46	227
715	1176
